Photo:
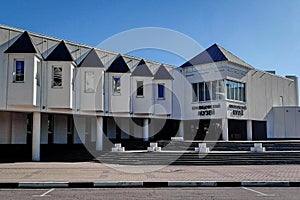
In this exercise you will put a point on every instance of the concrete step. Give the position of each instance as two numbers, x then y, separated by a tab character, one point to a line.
162	158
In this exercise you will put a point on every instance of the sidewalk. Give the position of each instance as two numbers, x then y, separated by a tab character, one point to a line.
97	172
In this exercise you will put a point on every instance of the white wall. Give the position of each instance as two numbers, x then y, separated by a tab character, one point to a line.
60	129
60	97
7	37
143	104
119	103
5	127
19	128
163	106
264	91
283	122
90	101
23	93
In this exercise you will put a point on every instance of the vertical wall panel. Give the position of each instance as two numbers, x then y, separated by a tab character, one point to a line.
19	128
60	129
5	128
44	129
79	130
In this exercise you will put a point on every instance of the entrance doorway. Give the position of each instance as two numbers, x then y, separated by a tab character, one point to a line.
237	129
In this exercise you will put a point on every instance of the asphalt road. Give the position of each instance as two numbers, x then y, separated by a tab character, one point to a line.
155	193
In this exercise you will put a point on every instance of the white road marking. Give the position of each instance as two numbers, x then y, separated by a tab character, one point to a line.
45	193
257	192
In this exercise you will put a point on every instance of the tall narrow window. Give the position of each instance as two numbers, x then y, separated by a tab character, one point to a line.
56	77
18	74
116	85
140	89
207	91
201	92
161	91
195	92
89	82
38	73
220	90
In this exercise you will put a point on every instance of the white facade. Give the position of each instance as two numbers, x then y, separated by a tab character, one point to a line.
52	86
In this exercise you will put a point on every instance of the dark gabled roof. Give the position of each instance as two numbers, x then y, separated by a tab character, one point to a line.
59	53
91	60
22	45
162	74
142	70
118	65
215	53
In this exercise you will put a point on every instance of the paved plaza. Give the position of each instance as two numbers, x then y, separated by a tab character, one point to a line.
93	172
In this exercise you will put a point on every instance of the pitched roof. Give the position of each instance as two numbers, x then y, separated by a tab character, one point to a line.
91	60
22	45
142	70
215	53
118	65
59	53
162	74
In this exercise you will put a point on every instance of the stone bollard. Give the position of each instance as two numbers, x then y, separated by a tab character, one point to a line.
258	148
118	148
153	147
201	148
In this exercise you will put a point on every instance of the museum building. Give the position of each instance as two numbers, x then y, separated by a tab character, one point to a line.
60	92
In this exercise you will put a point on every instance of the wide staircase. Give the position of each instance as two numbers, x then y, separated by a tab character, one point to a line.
222	153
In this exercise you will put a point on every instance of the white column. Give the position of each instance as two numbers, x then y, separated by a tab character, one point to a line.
99	136
146	130
36	136
181	129
225	129
249	130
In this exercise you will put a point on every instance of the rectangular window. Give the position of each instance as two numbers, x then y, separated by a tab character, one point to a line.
207	91
18	74
201	92
56	77
161	91
116	85
220	90
195	92
236	90
38	73
140	88
89	82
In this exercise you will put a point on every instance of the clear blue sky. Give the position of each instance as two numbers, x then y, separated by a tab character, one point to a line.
266	34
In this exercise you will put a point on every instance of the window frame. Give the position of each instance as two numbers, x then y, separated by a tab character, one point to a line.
235	90
38	72
114	91
53	77
15	70
195	90
91	89
138	87
208	91
164	95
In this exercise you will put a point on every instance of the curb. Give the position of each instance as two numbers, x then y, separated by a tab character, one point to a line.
146	184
